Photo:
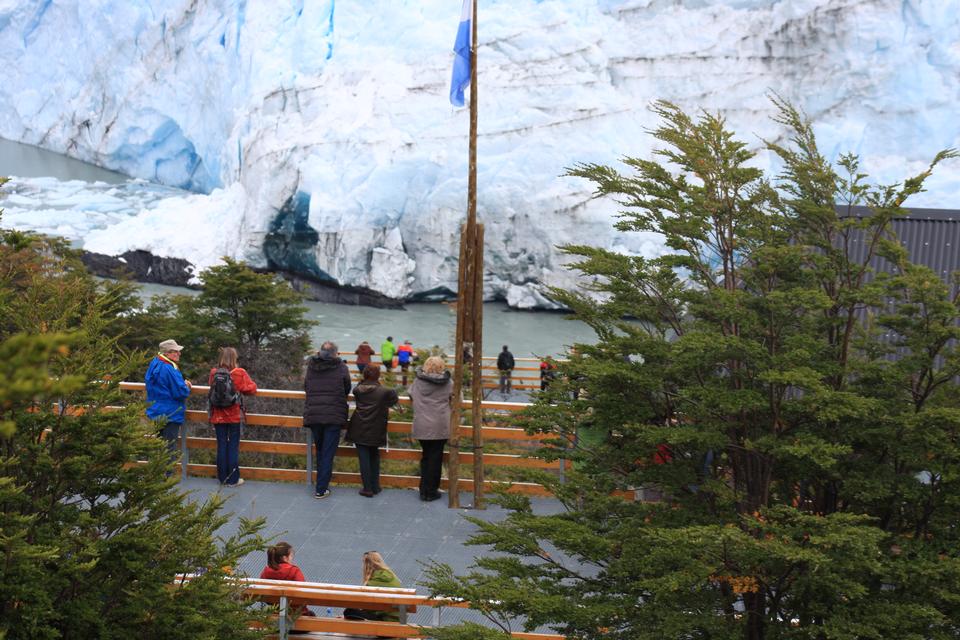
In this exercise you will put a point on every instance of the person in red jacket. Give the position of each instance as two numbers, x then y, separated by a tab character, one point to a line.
228	383
280	567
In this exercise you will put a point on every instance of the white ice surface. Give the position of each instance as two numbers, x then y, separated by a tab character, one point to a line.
248	103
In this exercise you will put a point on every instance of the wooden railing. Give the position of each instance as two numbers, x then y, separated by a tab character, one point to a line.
510	434
526	375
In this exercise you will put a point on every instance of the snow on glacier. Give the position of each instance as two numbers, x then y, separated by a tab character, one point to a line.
251	103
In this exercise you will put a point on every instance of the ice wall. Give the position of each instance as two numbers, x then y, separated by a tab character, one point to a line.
321	131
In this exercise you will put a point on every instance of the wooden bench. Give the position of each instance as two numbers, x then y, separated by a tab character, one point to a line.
287	595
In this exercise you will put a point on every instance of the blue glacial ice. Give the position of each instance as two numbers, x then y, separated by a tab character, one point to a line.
244	105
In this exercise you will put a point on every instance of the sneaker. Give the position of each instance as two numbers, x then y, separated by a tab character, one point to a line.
235	484
320	495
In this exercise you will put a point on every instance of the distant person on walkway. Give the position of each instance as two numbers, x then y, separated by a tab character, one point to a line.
280	567
405	356
368	426
547	374
387	351
228	384
363	351
431	394
467	353
167	393
376	573
505	364
327	385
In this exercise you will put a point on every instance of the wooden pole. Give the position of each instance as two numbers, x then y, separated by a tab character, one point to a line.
453	444
477	387
469	280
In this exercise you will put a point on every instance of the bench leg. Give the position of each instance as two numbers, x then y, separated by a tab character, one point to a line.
282	631
403	614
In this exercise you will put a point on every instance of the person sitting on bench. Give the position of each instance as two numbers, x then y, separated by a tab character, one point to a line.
280	567
376	573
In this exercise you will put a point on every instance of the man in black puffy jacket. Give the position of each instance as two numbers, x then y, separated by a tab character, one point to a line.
327	385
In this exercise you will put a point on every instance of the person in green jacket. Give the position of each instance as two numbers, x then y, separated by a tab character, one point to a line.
387	351
376	573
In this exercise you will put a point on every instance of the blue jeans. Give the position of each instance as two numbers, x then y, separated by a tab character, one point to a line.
170	432
228	452
326	438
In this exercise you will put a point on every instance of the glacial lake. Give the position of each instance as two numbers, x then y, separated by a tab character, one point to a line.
528	333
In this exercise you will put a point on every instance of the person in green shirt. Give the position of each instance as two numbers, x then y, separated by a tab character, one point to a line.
376	573
387	351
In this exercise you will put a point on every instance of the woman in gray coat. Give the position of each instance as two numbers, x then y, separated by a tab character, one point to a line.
431	393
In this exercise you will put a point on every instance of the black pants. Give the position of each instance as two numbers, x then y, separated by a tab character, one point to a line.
369	467
431	466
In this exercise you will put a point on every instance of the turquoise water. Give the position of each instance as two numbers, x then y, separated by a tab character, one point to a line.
26	161
426	324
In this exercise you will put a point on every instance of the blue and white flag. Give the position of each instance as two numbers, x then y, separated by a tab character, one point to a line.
461	61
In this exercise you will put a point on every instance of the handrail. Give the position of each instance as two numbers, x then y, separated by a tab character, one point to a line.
300	395
390	453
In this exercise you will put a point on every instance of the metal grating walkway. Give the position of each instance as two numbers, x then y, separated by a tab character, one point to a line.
330	535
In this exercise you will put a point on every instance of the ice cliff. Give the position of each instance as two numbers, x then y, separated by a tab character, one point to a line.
317	136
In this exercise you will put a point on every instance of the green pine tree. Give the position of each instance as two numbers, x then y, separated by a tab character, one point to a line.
807	479
257	313
92	541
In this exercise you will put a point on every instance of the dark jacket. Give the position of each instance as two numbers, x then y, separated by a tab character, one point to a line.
368	424
327	385
505	361
166	391
431	393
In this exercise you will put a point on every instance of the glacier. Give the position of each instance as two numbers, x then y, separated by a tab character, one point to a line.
316	136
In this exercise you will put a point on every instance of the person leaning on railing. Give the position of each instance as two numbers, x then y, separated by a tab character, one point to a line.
167	393
431	394
227	414
368	426
326	386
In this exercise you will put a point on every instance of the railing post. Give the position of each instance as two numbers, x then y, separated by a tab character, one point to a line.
184	452
282	632
436	616
563	468
309	458
403	614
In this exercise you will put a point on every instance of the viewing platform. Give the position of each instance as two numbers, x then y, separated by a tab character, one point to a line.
329	536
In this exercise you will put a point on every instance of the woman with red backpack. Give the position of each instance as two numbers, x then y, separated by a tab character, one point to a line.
228	384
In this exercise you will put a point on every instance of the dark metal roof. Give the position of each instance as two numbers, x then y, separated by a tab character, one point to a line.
931	237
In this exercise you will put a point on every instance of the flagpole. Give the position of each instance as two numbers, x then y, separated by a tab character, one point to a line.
476	237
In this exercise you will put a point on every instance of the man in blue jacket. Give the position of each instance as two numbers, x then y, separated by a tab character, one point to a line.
167	392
